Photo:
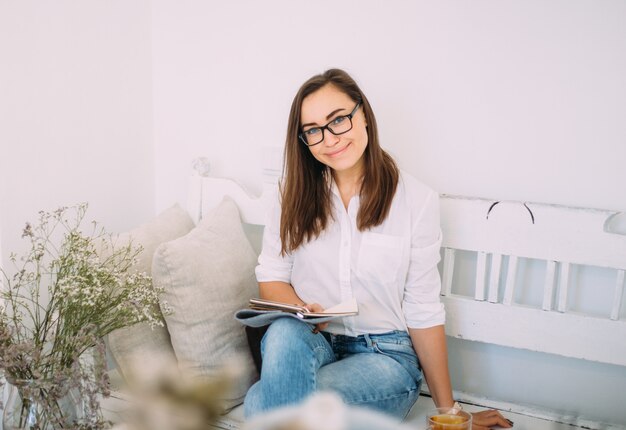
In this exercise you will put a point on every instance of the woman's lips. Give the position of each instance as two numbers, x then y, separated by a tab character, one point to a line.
336	153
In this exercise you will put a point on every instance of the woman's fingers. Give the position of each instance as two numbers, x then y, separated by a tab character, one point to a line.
484	420
316	307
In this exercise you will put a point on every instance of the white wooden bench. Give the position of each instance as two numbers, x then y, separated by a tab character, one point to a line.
498	238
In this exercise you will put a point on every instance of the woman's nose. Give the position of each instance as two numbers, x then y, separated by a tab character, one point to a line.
329	138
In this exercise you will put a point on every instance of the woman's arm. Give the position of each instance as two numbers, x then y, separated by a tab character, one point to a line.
430	347
422	305
279	292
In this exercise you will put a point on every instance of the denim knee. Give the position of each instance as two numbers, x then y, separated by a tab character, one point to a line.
284	333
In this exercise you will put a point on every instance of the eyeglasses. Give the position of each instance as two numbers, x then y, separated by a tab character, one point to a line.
340	125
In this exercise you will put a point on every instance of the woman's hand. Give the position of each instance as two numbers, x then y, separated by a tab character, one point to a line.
316	307
484	420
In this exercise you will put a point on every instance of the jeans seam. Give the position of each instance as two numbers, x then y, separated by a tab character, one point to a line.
390	397
392	342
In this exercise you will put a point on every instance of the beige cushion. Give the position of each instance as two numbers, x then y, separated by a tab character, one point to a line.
208	275
135	344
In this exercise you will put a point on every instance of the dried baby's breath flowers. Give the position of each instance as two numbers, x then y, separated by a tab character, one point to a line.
67	292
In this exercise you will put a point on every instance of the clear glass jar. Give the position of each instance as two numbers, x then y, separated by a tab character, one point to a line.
40	405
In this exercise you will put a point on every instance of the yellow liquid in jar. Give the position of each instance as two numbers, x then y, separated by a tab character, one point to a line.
445	419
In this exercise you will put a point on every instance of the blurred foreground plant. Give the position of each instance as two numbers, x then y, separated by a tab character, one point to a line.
166	398
68	291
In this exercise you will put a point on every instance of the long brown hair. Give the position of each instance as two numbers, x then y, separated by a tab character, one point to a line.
305	192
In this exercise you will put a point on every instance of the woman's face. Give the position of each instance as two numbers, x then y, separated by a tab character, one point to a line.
342	153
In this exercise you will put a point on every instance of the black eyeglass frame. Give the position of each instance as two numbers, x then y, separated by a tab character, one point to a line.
325	127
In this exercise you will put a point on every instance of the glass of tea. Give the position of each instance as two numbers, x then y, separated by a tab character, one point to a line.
449	419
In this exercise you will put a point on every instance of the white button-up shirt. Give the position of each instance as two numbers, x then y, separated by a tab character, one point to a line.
391	269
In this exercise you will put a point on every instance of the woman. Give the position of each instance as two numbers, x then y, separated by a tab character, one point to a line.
351	225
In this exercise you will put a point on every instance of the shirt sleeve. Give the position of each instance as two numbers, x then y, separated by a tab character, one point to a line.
422	304
271	265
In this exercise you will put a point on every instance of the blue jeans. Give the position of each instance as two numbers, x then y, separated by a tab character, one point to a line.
380	371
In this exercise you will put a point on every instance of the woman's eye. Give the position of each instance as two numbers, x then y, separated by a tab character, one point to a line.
339	120
311	131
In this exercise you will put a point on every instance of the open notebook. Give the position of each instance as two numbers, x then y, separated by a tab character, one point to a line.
347	308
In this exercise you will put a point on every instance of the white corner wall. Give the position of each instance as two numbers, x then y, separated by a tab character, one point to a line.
519	100
75	112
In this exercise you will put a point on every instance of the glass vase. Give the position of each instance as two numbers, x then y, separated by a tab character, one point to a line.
34	405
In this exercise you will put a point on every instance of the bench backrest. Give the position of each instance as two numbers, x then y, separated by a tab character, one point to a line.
558	239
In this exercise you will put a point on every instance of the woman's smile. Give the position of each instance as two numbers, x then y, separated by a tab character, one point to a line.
338	152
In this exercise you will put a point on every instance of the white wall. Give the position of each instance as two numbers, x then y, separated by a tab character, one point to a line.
75	112
511	100
520	100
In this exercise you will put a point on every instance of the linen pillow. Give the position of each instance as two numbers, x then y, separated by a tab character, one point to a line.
208	275
135	344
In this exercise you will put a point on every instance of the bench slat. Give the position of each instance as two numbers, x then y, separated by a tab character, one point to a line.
618	296
494	278
563	287
448	270
509	288
568	334
481	267
548	287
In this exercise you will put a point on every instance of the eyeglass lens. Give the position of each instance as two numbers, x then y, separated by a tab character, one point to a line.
339	125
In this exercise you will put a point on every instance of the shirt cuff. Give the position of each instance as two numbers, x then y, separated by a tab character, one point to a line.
424	315
268	274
